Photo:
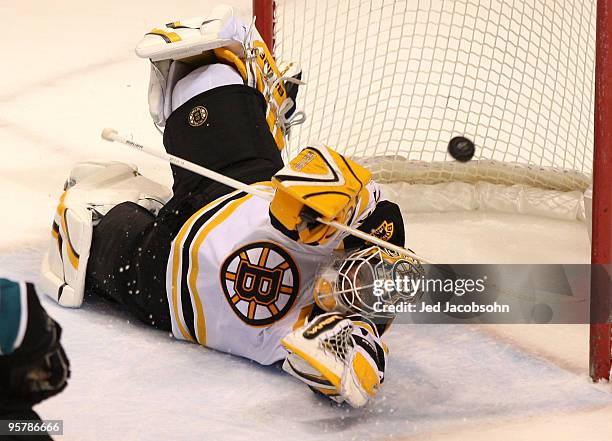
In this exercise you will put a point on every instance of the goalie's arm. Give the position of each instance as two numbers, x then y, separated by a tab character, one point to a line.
320	183
113	136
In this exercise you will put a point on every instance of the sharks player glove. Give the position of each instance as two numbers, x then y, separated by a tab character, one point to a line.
33	364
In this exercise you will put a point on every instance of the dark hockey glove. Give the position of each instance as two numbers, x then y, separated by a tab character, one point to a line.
27	378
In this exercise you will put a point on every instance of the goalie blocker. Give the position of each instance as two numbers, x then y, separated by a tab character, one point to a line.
320	182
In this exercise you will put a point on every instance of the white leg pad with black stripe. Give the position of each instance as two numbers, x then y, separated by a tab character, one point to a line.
91	191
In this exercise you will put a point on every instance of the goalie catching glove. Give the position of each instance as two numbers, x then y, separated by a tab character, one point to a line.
319	182
339	356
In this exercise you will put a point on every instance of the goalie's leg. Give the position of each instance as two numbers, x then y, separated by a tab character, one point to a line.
223	37
222	128
225	103
124	268
91	192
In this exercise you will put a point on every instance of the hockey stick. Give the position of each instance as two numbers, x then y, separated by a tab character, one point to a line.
112	135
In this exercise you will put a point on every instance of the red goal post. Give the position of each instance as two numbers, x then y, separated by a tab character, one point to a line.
531	81
600	334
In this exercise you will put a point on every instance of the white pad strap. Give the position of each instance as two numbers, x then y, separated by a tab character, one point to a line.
178	40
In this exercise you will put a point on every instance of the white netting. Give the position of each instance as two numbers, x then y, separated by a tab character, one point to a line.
391	82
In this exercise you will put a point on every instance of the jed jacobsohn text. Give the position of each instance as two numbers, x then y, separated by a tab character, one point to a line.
446	308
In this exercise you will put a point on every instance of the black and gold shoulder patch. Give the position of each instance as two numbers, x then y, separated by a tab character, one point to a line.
384	231
385	222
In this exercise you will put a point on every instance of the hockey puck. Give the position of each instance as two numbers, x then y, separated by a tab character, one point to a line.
461	148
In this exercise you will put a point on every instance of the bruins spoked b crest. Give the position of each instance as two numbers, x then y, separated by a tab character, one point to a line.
198	116
261	282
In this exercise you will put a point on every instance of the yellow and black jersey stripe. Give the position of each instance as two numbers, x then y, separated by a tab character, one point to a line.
191	240
185	300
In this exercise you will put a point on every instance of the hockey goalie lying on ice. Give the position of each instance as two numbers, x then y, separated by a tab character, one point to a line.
224	268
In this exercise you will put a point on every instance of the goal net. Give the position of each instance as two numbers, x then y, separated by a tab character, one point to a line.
390	83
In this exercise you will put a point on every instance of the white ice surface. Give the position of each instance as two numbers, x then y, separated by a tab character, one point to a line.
69	71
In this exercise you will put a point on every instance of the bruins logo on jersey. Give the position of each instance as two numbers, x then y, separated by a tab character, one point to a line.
384	231
197	116
261	282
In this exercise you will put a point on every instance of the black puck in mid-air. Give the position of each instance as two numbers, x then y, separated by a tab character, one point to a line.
461	148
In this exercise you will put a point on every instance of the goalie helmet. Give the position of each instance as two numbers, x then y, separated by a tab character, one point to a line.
366	281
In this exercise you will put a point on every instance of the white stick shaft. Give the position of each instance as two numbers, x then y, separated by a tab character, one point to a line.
373	239
113	136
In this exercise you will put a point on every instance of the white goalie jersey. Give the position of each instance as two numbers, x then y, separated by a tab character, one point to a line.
237	284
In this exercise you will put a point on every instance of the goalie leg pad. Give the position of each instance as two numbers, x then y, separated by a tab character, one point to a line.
220	36
92	189
338	356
